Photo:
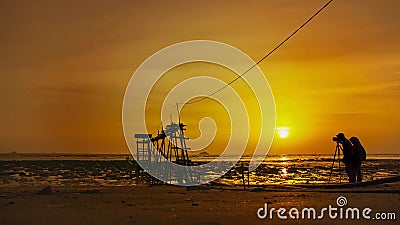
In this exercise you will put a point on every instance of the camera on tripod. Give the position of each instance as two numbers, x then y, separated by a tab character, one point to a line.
338	137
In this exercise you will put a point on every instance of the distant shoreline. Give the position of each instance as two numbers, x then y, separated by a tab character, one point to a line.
196	157
197	154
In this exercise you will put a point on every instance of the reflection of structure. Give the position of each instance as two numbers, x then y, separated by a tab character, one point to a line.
168	145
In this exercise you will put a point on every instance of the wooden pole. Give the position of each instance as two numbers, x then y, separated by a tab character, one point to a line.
248	176
340	172
244	183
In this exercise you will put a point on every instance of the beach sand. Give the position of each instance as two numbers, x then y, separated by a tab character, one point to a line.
180	205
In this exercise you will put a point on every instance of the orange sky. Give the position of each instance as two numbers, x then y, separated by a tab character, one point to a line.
65	66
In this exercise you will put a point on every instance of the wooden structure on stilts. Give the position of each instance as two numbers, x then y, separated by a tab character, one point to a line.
168	145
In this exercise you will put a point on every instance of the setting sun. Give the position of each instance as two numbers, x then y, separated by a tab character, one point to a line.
283	132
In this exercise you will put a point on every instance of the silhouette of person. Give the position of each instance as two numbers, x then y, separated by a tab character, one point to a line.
359	156
348	157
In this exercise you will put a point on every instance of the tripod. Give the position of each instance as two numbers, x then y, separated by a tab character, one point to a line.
337	150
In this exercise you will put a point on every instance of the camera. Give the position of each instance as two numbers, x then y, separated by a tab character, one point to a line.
335	139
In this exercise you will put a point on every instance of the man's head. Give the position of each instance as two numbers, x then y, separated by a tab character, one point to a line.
340	136
354	140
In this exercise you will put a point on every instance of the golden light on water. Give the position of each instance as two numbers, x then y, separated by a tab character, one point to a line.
284	172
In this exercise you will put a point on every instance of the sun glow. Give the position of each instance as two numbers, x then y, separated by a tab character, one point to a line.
283	132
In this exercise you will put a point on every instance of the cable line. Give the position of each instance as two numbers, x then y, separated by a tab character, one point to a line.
263	58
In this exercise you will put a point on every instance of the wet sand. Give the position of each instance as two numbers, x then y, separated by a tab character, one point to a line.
181	205
103	170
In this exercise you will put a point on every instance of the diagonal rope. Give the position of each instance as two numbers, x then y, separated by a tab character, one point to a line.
263	58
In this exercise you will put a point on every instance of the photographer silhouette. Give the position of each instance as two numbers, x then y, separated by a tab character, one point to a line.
350	158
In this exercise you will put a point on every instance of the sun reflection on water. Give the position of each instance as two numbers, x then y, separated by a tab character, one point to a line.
284	172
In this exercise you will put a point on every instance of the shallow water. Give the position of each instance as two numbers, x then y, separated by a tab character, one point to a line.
309	169
93	169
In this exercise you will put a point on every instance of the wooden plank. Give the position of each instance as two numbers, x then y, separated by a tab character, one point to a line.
143	135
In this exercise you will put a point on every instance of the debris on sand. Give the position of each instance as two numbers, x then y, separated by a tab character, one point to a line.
45	191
